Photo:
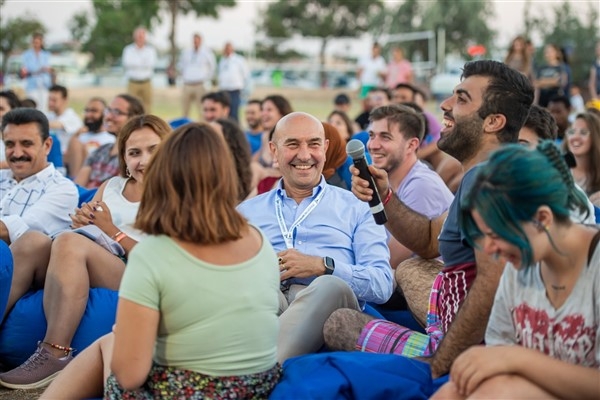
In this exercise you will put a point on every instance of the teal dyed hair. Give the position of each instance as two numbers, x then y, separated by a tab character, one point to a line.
512	185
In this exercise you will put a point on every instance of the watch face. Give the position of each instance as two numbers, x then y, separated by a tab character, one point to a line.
329	265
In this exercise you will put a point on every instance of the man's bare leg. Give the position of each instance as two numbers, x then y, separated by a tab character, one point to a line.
343	327
415	278
31	254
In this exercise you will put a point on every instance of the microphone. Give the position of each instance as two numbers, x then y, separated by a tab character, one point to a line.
356	149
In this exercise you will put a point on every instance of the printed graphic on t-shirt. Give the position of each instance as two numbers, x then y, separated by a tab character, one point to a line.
567	338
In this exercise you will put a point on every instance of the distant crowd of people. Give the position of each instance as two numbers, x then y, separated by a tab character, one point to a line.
235	247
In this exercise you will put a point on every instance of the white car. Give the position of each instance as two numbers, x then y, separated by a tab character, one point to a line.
442	85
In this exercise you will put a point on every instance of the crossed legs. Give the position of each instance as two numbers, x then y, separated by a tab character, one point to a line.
414	277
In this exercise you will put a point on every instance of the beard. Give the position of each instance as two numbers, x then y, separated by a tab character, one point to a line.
94	125
464	140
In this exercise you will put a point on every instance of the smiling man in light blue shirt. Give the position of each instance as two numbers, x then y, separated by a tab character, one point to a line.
331	252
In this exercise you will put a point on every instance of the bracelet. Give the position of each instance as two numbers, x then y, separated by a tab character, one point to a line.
66	349
120	237
117	237
388	196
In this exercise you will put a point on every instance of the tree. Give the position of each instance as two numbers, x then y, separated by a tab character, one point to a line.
80	27
324	19
577	35
406	17
176	7
15	34
464	22
115	22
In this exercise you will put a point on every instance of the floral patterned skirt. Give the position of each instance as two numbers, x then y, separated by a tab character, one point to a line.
173	383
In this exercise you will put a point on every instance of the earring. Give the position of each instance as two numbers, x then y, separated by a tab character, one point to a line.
127	172
539	225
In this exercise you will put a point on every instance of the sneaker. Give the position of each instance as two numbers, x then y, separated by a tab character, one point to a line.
37	372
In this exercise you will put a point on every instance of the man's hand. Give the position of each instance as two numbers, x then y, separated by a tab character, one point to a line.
360	187
294	264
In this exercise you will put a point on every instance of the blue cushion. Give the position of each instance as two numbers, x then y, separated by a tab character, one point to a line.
55	155
6	270
177	122
85	195
355	375
26	324
597	212
372	311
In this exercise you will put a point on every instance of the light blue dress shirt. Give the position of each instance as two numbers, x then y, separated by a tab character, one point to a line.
34	63
340	227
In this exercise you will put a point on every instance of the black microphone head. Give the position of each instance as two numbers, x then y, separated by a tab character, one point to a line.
355	149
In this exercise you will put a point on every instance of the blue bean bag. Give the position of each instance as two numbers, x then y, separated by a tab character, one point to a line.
85	195
6	269
25	325
355	375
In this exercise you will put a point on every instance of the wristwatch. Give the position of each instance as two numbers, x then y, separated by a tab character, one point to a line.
329	265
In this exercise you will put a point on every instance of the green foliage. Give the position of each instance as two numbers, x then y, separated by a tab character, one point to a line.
567	29
464	22
324	19
15	34
405	18
79	26
318	18
115	21
198	7
110	27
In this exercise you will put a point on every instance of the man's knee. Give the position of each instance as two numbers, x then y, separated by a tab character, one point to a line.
343	327
331	288
417	272
30	243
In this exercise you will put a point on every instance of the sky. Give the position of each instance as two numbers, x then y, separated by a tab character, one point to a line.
238	24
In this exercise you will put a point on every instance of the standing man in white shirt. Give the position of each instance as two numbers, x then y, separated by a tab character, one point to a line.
371	71
64	121
234	75
139	60
197	66
33	194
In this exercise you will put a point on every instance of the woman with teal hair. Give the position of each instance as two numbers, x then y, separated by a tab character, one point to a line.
543	336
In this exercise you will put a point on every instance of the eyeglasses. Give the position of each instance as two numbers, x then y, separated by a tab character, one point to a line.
582	132
115	111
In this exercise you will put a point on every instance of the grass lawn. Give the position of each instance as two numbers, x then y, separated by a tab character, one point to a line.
167	102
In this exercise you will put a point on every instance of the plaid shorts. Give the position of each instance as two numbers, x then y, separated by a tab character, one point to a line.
385	337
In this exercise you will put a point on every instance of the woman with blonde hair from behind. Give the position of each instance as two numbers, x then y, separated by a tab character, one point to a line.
198	303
